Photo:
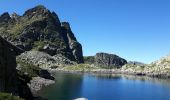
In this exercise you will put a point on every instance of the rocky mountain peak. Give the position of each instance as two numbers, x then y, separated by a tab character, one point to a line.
38	10
66	25
56	17
5	17
40	29
15	16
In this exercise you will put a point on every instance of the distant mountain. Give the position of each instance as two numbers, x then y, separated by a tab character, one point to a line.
41	30
136	63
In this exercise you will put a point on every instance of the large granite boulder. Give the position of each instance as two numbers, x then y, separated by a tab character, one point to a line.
40	29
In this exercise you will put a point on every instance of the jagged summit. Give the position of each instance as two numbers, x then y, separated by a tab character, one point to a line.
5	17
37	11
40	29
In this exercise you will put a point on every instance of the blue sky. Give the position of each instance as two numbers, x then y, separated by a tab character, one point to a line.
133	29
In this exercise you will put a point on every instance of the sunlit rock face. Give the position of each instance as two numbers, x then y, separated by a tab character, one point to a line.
163	62
40	29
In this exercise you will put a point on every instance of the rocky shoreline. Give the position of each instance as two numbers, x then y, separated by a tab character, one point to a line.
37	42
113	71
37	83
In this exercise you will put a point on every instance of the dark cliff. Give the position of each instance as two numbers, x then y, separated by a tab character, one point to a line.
105	60
8	72
40	29
111	60
10	81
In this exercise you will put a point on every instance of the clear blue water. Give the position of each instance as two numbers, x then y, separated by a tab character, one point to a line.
106	87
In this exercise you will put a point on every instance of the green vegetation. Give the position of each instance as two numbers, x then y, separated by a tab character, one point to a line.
89	59
18	28
80	67
38	45
6	96
28	68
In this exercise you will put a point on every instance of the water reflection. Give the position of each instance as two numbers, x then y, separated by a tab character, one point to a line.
67	87
132	77
107	87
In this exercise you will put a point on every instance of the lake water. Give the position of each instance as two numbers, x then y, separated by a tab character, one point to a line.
106	87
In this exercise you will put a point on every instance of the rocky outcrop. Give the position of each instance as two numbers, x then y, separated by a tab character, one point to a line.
40	29
105	60
109	60
37	83
10	81
44	60
159	68
75	46
164	61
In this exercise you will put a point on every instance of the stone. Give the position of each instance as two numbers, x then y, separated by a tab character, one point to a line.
5	18
44	60
37	83
109	60
105	60
41	30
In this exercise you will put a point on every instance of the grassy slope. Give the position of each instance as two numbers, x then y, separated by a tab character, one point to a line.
6	96
130	68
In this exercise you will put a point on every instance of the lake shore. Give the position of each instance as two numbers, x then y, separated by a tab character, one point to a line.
38	83
89	84
115	71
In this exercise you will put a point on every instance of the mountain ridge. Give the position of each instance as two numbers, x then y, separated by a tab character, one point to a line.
40	29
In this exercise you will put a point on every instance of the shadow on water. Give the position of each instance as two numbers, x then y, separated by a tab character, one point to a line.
67	87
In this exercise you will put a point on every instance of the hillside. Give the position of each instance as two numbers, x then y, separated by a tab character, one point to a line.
39	29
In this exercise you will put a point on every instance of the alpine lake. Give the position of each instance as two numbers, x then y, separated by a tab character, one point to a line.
69	86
